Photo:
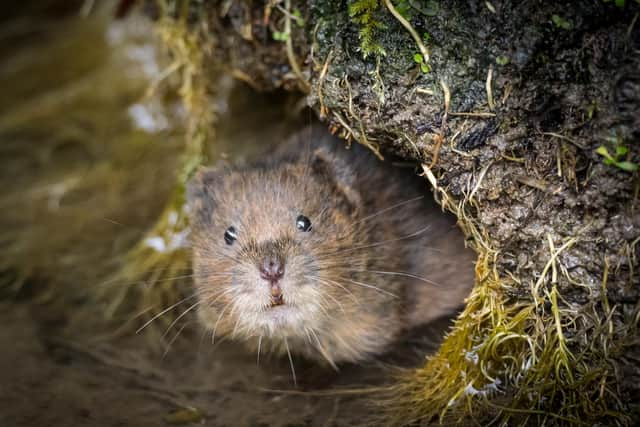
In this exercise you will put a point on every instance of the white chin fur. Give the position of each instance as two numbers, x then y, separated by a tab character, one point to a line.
281	321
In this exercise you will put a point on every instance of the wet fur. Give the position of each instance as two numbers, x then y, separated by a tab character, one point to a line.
347	287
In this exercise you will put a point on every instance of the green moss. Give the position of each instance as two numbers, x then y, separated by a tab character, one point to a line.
363	13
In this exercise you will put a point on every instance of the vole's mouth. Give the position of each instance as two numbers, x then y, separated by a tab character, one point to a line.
277	301
276	295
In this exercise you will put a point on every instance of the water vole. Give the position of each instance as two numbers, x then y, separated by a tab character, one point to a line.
322	251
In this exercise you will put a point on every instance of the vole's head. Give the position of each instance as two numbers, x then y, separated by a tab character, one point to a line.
269	244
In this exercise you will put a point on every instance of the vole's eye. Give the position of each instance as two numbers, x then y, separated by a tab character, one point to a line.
303	223
230	235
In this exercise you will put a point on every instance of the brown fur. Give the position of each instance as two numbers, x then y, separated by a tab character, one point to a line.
353	283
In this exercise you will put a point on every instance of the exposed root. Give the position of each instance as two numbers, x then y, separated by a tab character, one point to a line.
323	73
423	50
293	62
439	138
490	101
473	114
358	136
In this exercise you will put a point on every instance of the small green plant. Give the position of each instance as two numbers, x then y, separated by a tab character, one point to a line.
502	60
591	110
619	156
619	3
281	36
427	8
560	22
297	17
419	59
404	8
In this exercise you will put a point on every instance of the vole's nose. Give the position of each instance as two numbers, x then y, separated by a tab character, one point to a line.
271	269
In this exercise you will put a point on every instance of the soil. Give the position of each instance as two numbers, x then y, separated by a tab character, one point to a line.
75	380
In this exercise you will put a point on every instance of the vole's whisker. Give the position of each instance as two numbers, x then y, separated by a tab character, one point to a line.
166	310
196	293
144	281
336	301
205	275
323	306
215	325
259	346
214	252
366	285
384	242
396	273
170	344
387	209
216	296
328	282
143	312
352	227
307	339
150	271
235	328
177	319
344	343
293	371
323	351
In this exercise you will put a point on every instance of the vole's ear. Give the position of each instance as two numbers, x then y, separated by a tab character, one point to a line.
201	194
341	175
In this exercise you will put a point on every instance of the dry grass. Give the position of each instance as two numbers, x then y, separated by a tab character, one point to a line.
73	169
160	261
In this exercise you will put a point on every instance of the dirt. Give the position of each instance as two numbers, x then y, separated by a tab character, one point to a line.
53	374
50	380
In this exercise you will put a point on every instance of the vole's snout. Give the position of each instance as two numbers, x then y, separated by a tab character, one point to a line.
271	268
